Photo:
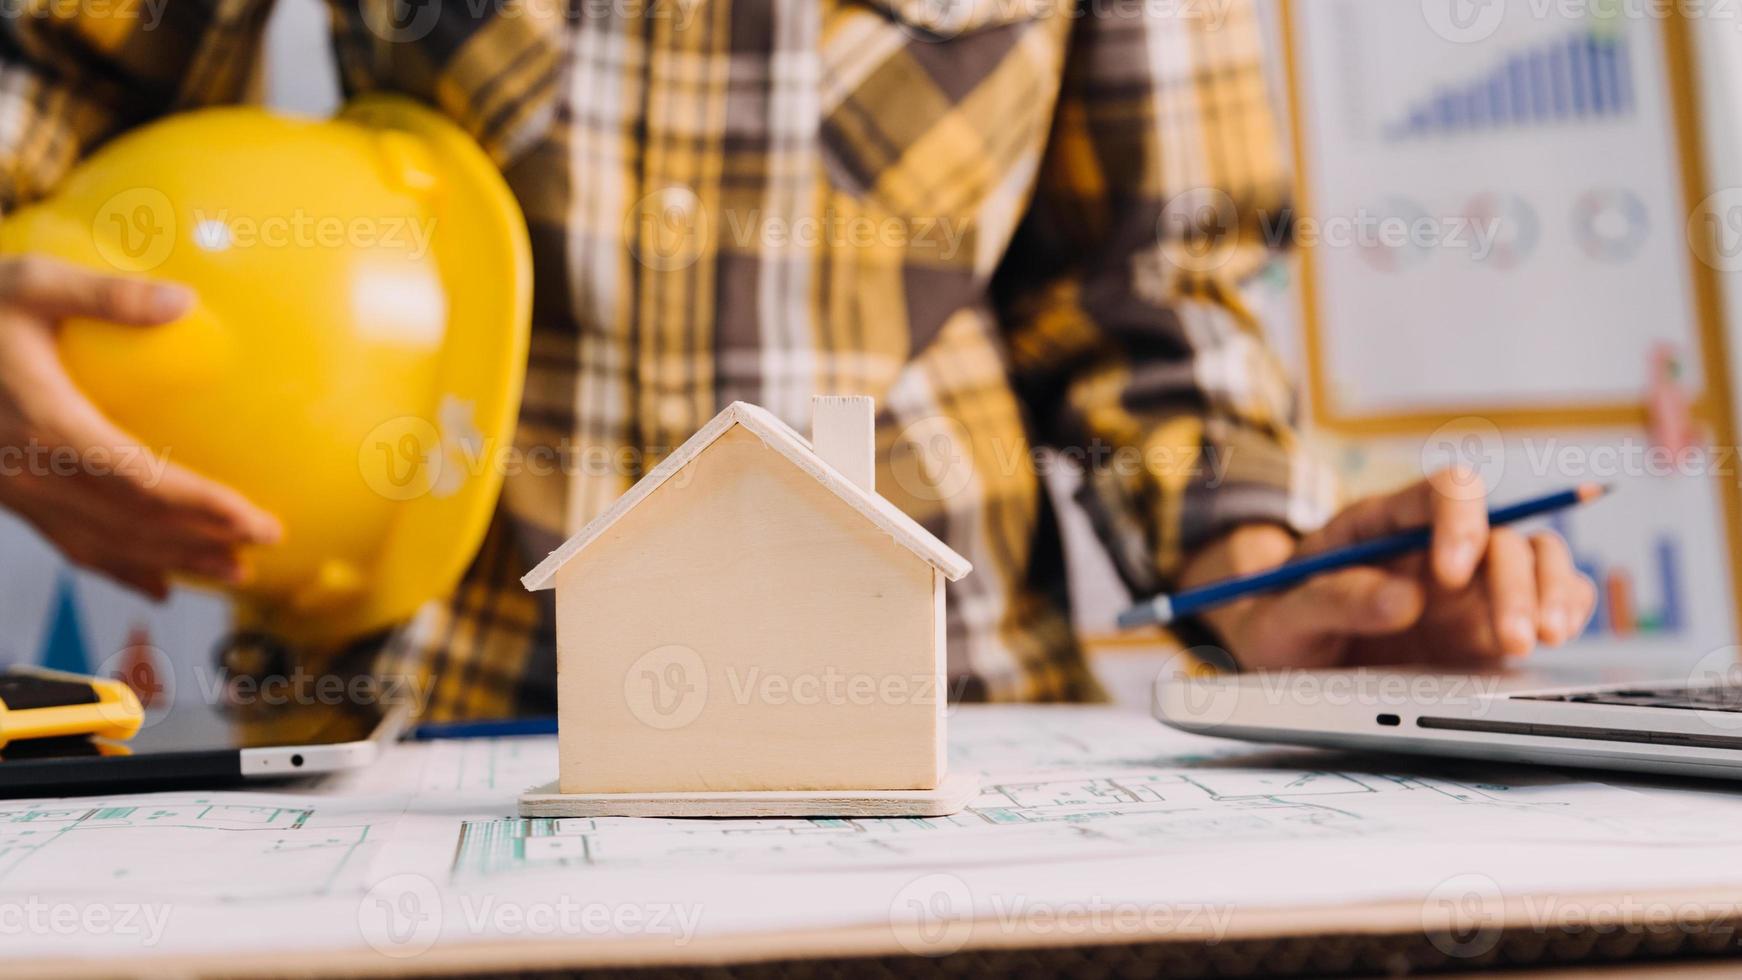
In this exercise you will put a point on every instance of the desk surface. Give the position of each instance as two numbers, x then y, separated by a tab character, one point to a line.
1098	828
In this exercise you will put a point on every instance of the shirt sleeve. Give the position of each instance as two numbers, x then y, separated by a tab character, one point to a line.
73	74
1162	191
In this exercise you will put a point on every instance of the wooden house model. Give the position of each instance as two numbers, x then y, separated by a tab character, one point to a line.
753	617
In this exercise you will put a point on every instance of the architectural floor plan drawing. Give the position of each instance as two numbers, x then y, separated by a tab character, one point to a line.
1076	802
156	847
1158	802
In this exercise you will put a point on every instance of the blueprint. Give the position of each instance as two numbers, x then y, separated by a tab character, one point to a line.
156	847
1076	804
1095	800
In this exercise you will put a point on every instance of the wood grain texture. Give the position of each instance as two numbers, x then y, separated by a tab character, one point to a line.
744	629
951	796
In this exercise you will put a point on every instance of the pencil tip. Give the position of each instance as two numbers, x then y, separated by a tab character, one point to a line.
1134	617
1592	491
1155	611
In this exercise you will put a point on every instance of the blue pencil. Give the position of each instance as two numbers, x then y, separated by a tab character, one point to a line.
1164	609
494	728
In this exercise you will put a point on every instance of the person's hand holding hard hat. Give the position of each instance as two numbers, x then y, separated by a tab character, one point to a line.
341	375
85	484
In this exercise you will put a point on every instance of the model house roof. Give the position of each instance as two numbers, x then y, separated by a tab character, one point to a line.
781	438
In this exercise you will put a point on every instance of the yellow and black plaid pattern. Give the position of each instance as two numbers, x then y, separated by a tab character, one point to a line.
985	213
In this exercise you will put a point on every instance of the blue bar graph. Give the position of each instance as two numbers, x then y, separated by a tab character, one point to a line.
1586	77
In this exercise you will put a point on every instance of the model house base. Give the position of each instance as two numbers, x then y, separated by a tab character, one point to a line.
954	794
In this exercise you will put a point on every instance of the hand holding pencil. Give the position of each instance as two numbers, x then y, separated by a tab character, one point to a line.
1427	574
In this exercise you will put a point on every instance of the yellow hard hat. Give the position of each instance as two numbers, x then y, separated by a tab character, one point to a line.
355	358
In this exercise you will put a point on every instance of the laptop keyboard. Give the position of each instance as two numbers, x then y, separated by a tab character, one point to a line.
1701	697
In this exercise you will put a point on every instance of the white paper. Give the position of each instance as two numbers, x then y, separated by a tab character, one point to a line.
1084	811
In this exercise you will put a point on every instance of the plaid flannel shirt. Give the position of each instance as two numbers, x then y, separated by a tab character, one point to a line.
985	213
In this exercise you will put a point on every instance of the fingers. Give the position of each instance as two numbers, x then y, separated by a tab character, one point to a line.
150	583
95	532
153	490
1528	591
1534	593
1564	597
58	290
1556	579
199	503
183	523
1352	602
121	510
1512	592
150	518
1458	505
190	551
1452	503
88	547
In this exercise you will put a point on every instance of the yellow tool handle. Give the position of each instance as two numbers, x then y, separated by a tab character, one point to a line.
115	714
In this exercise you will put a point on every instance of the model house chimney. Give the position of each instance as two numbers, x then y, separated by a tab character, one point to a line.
844	434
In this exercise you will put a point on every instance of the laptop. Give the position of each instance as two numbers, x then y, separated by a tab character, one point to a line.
1686	726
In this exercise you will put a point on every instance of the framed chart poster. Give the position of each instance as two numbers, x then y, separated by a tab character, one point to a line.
1499	209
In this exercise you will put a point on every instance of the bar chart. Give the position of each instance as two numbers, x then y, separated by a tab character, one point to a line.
1619	610
1584	77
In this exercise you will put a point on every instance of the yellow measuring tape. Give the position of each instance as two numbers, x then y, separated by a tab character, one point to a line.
39	703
